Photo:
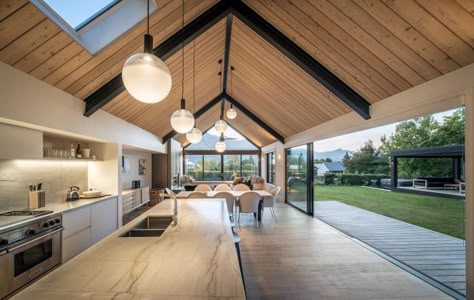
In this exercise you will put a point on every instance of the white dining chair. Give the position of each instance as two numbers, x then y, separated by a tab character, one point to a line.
229	199
202	188
270	201
248	204
222	188
241	187
197	195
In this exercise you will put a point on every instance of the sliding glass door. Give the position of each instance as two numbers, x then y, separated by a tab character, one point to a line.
299	177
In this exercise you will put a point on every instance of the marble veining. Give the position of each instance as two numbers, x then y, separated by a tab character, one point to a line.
194	260
69	205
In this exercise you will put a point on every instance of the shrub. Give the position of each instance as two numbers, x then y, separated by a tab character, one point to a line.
329	178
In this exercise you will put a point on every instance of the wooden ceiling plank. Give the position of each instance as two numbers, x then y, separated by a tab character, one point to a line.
39	55
453	16
409	35
344	38
64	70
56	61
384	36
9	7
300	57
339	54
28	42
19	22
433	29
370	43
104	69
289	72
468	5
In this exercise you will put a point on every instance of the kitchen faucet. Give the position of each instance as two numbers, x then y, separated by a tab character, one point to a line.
175	211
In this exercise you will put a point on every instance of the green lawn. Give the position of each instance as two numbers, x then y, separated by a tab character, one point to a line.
439	214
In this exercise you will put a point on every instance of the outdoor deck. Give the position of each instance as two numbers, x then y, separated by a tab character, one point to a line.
300	257
436	255
434	192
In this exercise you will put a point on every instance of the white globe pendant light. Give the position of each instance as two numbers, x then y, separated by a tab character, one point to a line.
231	113
194	136
182	120
145	76
220	126
220	147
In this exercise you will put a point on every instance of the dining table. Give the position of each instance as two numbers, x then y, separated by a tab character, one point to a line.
210	194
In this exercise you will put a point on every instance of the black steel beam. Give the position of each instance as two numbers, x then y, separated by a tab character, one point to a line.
166	49
301	58
228	34
197	115
254	118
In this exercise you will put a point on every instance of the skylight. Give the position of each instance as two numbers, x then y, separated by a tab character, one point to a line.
78	14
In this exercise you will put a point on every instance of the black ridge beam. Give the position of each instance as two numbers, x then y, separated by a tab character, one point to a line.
228	34
165	50
254	118
301	58
197	115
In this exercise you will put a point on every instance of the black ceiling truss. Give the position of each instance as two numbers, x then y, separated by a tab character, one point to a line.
165	50
268	32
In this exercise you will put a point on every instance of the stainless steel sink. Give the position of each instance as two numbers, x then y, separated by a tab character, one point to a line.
150	226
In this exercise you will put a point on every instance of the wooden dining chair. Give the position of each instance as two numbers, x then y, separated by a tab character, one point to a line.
241	187
202	188
248	204
197	195
222	188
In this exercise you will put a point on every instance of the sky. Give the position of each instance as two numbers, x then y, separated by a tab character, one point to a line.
354	141
76	12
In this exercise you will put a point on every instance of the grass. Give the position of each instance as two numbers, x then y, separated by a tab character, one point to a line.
439	214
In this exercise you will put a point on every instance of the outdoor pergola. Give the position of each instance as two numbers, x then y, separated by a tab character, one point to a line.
454	152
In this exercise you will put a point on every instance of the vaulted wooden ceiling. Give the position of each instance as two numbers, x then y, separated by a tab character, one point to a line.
377	47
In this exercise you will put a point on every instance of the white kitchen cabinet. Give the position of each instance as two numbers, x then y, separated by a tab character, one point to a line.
20	143
145	195
131	199
104	219
137	197
76	243
85	226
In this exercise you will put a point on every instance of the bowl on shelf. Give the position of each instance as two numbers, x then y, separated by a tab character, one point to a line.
90	194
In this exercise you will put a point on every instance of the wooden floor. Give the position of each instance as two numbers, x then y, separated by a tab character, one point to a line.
300	257
439	256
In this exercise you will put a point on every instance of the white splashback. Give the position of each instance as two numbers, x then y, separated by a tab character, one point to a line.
56	176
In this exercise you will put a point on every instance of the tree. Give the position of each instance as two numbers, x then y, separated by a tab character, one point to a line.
367	160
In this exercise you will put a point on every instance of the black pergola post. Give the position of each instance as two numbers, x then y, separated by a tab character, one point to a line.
394	181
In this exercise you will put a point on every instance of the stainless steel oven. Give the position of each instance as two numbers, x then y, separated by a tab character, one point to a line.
27	259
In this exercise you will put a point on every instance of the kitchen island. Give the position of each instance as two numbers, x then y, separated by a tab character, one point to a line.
194	260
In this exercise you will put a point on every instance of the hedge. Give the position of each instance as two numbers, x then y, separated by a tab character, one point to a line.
351	179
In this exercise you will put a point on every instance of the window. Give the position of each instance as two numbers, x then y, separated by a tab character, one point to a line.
216	167
231	166
271	167
95	23
194	166
78	14
212	167
234	141
250	165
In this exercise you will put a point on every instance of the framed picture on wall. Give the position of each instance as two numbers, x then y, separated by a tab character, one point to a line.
142	166
125	164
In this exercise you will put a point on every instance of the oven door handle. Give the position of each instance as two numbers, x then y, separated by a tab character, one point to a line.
13	249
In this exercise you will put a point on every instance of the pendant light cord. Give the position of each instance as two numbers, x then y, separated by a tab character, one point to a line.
231	89
182	56
148	17
194	82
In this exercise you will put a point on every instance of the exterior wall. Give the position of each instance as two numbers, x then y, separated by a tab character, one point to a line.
469	144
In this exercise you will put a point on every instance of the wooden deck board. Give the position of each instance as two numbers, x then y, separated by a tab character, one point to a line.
434	254
299	257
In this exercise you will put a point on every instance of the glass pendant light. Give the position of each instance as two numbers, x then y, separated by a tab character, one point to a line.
231	112
195	135
220	145
182	120
220	126
145	76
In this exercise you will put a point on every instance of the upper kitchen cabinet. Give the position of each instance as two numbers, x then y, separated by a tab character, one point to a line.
20	143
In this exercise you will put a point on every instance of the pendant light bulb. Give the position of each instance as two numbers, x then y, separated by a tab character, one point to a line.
220	126
194	136
231	113
220	146
145	76
182	120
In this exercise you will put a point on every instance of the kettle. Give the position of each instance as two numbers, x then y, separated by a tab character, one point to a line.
73	194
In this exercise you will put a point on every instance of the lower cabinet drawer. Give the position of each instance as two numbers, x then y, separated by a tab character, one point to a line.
76	220
76	243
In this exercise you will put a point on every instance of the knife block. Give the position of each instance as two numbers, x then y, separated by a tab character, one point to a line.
36	199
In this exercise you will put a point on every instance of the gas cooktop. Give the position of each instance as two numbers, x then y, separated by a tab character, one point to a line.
35	213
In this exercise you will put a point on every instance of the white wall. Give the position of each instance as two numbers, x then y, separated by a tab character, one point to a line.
28	102
133	157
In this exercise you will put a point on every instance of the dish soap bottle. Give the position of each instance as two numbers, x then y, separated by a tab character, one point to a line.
78	151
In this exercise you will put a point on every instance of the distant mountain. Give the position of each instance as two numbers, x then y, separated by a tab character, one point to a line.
334	155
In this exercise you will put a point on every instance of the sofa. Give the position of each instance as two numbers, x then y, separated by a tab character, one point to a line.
433	182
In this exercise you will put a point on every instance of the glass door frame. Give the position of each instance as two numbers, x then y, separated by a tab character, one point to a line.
309	180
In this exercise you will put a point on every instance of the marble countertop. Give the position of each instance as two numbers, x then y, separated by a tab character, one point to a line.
194	260
69	205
